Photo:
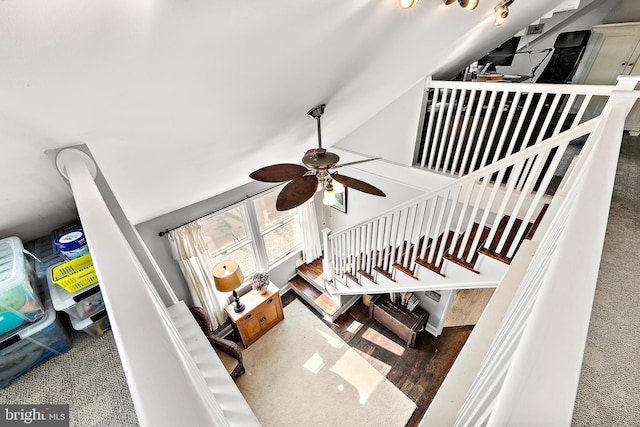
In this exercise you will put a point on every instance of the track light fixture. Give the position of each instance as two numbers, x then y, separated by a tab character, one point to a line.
406	4
468	4
465	4
502	11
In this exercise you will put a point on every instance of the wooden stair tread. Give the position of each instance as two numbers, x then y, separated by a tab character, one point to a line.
462	260
351	277
404	270
492	252
312	272
385	273
537	222
528	234
367	275
395	255
321	300
430	266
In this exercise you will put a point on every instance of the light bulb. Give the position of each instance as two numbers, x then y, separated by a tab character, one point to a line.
406	4
468	4
329	198
337	187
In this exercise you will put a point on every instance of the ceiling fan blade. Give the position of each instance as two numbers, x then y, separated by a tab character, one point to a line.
356	184
355	163
279	173
296	192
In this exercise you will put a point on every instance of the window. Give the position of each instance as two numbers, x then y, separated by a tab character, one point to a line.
280	231
227	238
253	233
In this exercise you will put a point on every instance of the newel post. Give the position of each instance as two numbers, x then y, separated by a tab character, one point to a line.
327	264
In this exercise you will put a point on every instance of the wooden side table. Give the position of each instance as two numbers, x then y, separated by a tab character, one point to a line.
261	313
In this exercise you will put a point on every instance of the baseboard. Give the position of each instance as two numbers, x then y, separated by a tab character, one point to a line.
349	304
286	288
432	330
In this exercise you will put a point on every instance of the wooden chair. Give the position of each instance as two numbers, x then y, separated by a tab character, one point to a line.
229	352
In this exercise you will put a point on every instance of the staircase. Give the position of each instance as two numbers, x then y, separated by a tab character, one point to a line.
505	146
310	286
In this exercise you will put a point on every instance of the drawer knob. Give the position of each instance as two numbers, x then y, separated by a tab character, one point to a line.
270	301
247	317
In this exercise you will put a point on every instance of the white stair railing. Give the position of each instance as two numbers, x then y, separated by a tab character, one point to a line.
472	124
167	385
523	130
420	231
530	372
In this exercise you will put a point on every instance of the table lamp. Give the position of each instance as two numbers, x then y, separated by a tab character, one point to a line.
228	277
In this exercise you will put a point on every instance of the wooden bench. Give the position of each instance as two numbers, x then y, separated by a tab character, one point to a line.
395	317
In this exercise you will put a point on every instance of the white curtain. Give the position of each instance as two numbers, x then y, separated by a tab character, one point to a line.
312	247
190	250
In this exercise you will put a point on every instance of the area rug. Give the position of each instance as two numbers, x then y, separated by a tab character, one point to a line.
302	374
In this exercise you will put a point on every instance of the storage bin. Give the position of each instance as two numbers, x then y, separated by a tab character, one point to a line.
33	344
95	325
75	274
44	250
19	303
79	305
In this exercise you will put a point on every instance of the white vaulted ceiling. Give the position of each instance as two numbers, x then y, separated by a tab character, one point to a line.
180	100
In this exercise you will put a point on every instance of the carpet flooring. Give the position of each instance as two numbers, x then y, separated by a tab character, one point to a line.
609	385
302	374
88	377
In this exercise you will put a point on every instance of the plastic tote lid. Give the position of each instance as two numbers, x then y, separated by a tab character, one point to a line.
12	270
71	240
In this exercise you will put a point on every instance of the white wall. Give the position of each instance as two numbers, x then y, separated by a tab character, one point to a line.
392	132
362	206
437	309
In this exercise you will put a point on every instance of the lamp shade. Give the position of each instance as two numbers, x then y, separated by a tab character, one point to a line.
227	276
329	197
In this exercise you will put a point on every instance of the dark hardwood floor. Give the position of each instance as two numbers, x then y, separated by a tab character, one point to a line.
418	372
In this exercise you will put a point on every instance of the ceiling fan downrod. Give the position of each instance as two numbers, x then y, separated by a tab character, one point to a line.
315	113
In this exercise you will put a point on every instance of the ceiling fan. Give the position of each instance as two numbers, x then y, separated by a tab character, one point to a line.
315	175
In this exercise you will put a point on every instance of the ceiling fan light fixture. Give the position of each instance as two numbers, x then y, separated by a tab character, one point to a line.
315	175
468	4
337	187
406	4
329	197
